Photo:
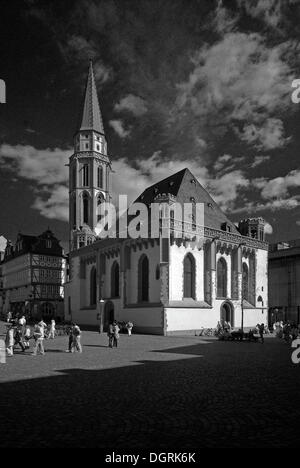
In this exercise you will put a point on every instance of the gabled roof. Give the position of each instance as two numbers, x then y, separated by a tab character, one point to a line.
184	186
91	114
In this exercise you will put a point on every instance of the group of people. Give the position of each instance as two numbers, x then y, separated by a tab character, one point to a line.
289	330
19	334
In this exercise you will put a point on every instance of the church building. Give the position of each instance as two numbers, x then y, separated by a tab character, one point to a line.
202	271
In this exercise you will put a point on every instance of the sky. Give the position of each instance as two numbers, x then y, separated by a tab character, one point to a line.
201	84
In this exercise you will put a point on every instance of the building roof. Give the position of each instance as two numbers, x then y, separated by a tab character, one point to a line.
34	244
185	187
91	114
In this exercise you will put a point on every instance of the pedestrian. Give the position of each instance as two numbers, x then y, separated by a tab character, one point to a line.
116	335
110	334
76	344
9	316
261	329
18	339
52	330
22	324
38	335
9	340
70	343
27	337
129	326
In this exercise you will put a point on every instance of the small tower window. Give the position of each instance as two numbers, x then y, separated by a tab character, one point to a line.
100	176
98	147
85	175
86	146
48	244
85	208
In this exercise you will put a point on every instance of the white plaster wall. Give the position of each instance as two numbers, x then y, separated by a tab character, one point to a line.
177	254
262	278
227	258
153	255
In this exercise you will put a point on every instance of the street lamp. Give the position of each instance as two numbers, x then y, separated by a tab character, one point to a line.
242	292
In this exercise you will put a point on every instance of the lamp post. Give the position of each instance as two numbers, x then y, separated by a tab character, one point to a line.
242	292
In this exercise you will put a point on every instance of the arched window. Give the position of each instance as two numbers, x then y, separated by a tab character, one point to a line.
100	176
93	287
143	279
85	201
115	280
245	282
189	276
221	278
85	175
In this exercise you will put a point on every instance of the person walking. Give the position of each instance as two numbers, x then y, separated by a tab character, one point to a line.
9	340
76	345
129	326
38	335
116	334
52	330
261	330
9	316
22	323
18	339
110	334
27	337
70	343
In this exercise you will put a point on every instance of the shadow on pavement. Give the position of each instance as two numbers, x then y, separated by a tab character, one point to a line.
219	400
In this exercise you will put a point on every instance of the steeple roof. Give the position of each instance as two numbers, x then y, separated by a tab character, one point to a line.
91	114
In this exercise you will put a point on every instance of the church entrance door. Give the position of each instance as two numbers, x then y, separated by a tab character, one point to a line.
227	313
109	315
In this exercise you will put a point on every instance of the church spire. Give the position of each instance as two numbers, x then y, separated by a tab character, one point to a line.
91	115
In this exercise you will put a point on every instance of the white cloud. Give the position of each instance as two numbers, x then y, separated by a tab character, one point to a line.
46	169
268	229
118	126
259	160
54	205
269	11
45	166
225	188
221	161
240	79
279	186
133	104
268	136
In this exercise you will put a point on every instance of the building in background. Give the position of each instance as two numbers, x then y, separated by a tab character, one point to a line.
164	285
33	274
284	281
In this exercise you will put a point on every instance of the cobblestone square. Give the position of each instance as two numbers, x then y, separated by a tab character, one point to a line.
152	392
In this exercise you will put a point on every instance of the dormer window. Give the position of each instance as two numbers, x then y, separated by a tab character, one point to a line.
48	244
226	227
155	190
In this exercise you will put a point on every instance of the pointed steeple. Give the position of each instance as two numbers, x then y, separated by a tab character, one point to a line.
91	114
